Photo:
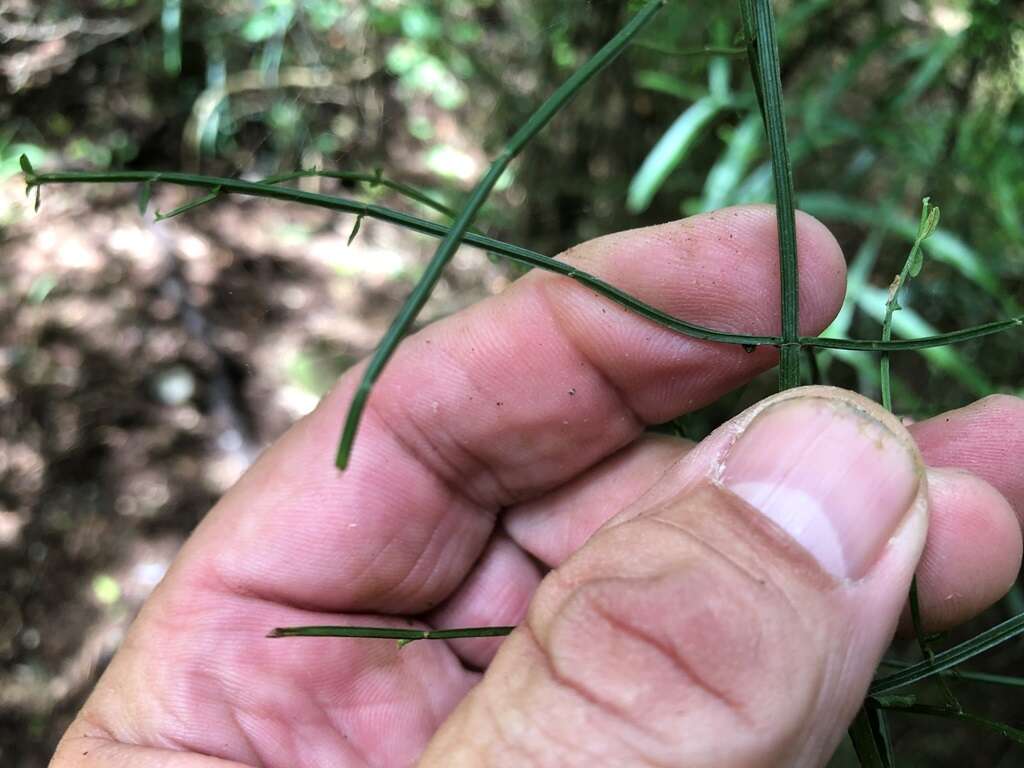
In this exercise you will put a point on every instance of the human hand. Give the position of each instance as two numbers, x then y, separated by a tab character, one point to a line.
501	476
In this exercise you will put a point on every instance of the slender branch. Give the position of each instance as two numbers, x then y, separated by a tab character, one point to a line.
407	314
510	251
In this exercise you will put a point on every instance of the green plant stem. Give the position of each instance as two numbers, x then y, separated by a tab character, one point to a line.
865	742
370	179
407	314
760	21
403	636
951	657
964	674
1002	729
911	268
513	252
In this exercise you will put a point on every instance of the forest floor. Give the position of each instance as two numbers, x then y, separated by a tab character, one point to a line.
142	367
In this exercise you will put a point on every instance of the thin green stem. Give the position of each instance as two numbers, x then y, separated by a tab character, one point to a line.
951	657
863	734
403	636
911	268
1002	729
513	252
407	314
760	19
964	674
370	179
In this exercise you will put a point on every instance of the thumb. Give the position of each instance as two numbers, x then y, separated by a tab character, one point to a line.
732	617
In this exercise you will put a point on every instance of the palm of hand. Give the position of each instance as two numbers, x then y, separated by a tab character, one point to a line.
494	445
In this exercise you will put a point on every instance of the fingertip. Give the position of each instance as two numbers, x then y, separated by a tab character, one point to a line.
973	552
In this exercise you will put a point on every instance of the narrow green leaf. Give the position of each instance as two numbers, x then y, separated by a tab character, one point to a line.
214	193
931	223
921	342
145	193
355	230
669	152
376	179
26	165
728	170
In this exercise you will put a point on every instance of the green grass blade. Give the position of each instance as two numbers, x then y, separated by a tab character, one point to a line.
459	227
727	172
669	152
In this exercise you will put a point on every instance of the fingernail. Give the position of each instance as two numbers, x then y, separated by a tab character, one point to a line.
833	477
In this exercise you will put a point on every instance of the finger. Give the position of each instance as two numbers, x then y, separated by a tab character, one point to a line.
755	601
500	403
985	438
555	525
973	552
495	593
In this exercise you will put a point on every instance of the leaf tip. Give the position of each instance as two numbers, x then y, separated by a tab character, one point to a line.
26	165
355	229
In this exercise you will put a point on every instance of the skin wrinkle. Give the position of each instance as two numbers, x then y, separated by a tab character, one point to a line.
258	753
759	582
677	660
819	580
425	585
454	481
586	696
